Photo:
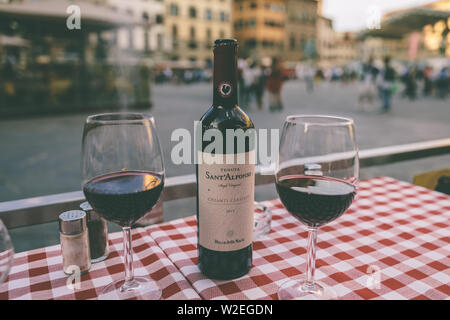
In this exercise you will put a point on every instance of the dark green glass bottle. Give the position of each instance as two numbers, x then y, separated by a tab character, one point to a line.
225	191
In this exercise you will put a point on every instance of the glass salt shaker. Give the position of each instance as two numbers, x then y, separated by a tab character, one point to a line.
74	242
262	220
98	233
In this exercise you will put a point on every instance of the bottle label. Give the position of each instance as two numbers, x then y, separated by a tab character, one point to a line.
226	200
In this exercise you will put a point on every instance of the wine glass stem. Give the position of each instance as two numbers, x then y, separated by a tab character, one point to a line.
128	256
311	263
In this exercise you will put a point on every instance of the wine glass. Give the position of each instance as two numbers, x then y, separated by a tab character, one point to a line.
6	252
123	177
316	179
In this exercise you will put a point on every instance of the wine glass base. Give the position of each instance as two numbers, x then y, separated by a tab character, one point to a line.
301	290
139	289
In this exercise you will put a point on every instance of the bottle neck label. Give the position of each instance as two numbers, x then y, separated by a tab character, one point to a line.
225	77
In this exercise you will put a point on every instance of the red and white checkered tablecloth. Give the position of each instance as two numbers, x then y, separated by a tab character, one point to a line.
395	232
38	274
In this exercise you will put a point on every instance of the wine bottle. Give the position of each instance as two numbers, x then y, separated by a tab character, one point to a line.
225	178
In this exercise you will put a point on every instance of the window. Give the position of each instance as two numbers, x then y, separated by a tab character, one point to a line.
238	24
192	12
268	44
222	34
274	7
174	31
223	16
208	14
208	38
130	38
146	41
173	10
253	5
174	36
251	43
302	43
303	16
252	23
271	23
192	44
292	42
159	19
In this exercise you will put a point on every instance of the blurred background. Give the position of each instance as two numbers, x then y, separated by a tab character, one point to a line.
384	63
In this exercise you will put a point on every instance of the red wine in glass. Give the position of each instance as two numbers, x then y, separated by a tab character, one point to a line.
315	201
316	179
124	197
123	178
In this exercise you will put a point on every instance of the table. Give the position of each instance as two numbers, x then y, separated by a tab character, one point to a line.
392	243
37	274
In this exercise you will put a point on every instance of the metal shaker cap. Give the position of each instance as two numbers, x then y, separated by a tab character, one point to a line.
92	215
72	222
85	206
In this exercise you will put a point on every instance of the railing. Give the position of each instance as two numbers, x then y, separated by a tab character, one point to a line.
44	209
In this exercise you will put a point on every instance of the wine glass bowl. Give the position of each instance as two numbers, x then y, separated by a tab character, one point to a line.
123	178
6	252
316	179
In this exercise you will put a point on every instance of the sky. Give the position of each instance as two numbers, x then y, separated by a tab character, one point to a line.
352	15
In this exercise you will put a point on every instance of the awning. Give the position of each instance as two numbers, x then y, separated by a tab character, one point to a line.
91	14
401	23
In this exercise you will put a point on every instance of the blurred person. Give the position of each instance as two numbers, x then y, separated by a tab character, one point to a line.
411	84
328	74
442	83
353	75
427	82
188	76
167	74
248	76
242	79
259	83
386	84
176	78
345	75
309	78
336	74
8	77
275	81
319	76
299	71
159	74
368	89
420	71
207	75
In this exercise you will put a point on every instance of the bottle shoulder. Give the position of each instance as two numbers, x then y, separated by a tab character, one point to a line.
226	118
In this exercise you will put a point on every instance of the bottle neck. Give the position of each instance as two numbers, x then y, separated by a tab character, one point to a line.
225	83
